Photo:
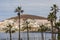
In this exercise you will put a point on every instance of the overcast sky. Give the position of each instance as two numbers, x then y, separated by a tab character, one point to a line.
33	7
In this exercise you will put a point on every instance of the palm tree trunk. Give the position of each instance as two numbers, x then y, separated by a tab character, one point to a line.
10	35
58	34
45	35
27	33
42	36
55	29
55	24
19	25
52	30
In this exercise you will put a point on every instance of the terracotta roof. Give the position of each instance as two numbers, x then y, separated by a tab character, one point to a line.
27	16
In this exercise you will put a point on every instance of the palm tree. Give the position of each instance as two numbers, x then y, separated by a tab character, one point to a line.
25	25
27	30
58	27
18	9
51	19
9	29
42	29
55	9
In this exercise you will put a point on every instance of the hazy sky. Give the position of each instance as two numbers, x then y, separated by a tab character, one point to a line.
33	7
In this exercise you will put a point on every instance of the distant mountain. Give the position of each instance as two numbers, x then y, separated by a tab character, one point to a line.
27	16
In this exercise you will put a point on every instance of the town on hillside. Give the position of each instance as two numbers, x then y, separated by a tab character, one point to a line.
42	21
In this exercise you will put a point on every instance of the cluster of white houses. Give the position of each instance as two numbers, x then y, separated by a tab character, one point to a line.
34	22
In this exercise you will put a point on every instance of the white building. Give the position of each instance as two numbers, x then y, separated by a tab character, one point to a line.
35	21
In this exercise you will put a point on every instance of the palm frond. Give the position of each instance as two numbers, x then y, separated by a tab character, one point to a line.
51	17
42	28
18	9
